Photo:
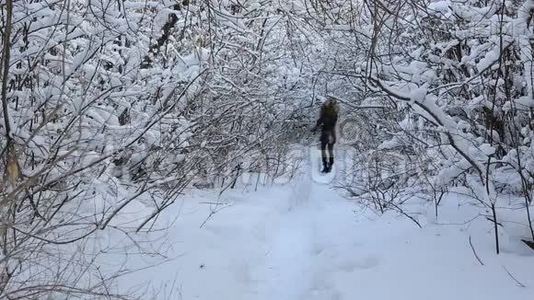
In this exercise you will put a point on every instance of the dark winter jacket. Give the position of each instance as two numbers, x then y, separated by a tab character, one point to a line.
327	121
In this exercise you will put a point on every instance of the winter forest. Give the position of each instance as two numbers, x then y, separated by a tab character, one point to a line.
164	149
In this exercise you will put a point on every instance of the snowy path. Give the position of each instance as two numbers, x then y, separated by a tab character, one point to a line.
293	263
308	249
303	241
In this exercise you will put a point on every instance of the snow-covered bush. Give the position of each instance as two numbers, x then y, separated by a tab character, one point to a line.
112	107
459	75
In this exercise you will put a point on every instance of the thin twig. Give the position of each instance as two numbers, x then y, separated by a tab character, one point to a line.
515	279
475	252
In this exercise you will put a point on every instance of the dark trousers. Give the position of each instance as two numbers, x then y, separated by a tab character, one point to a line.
327	156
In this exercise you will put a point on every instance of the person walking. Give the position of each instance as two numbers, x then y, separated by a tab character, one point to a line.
327	123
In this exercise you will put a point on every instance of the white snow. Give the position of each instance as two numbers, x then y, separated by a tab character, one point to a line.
440	6
418	94
303	240
490	58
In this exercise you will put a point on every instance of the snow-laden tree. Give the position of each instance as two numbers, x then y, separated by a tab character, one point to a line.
112	108
455	82
116	107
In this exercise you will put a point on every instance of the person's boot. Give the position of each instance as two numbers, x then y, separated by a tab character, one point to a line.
330	163
325	165
326	169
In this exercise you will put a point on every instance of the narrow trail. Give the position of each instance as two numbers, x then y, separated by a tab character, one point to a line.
306	250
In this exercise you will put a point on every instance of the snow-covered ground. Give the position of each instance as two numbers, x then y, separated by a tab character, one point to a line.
303	240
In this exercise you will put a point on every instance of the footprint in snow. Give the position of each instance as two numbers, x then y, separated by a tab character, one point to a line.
368	262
